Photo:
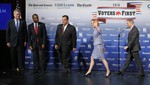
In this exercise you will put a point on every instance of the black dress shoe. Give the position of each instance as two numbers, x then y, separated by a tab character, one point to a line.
42	74
21	71
121	73
140	76
34	72
108	75
89	74
14	72
68	71
64	71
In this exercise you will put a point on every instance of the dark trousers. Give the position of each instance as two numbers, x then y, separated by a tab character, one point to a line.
65	57
39	59
130	57
17	57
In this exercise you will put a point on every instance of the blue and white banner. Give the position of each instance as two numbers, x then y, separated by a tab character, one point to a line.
5	15
112	17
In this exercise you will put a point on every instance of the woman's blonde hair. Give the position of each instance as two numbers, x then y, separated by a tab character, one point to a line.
95	20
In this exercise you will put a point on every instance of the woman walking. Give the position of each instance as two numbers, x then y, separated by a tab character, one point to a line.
98	51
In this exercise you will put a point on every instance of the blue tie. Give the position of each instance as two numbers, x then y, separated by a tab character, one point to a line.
17	25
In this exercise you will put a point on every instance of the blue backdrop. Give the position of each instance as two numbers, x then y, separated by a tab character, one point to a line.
5	15
112	18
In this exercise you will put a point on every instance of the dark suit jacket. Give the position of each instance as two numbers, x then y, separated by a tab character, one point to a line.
68	39
41	36
16	38
133	40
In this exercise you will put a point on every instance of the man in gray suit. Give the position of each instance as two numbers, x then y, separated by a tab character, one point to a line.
133	49
16	38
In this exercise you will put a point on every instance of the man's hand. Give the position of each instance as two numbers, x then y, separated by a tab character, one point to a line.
56	47
8	45
74	49
43	46
126	47
25	43
30	47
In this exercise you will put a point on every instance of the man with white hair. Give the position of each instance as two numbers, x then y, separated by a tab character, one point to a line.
133	49
16	38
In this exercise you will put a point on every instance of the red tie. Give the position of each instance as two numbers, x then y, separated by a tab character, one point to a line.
36	28
63	30
36	31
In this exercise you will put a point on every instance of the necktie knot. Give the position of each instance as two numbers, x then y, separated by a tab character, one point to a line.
35	24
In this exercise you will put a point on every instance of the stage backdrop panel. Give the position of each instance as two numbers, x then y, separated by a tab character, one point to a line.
112	16
5	15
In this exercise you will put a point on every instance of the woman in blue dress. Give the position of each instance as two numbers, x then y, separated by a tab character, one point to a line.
98	51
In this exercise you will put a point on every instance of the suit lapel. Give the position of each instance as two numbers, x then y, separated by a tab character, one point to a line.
61	30
39	26
19	25
131	33
32	27
66	30
131	30
14	26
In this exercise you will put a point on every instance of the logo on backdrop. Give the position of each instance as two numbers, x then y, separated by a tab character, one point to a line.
148	6
84	5
129	12
64	5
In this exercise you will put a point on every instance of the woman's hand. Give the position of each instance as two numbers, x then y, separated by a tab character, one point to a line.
104	50
95	25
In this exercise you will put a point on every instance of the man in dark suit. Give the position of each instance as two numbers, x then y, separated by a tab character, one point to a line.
65	42
37	41
133	49
16	38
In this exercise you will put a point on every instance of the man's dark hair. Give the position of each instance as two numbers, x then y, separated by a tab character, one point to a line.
34	15
130	20
66	16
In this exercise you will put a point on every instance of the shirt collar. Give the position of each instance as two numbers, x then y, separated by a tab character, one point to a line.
35	23
16	20
66	25
132	27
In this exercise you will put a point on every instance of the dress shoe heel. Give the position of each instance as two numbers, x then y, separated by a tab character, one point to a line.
108	75
89	74
121	73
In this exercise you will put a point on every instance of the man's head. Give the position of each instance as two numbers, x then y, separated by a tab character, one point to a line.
17	14
35	18
130	23
65	19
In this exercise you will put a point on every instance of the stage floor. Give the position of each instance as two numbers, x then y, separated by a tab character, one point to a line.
75	78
